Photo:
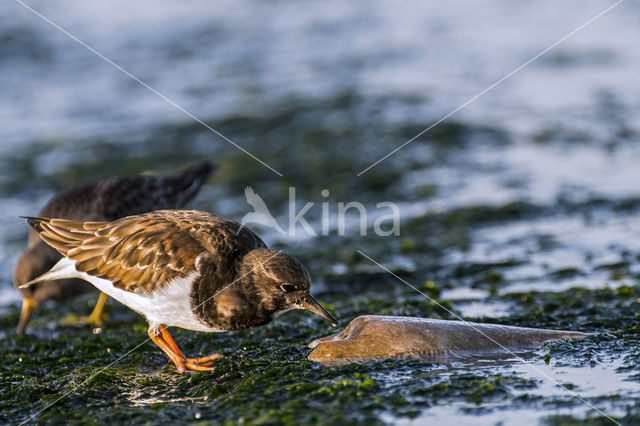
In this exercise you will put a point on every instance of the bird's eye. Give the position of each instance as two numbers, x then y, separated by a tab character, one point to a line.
287	287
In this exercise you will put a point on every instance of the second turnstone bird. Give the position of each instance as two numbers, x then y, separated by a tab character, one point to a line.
103	200
181	268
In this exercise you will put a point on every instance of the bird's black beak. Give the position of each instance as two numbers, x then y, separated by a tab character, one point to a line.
311	304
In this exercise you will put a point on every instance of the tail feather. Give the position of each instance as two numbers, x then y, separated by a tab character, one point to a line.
65	233
115	198
192	179
34	222
61	234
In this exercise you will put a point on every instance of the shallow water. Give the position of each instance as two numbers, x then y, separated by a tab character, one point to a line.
602	380
520	209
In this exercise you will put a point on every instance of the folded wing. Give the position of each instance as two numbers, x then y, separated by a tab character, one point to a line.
137	253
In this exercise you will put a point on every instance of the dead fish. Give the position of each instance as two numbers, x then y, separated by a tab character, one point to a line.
373	337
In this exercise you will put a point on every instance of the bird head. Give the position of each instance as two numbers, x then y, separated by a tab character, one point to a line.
281	283
33	262
36	260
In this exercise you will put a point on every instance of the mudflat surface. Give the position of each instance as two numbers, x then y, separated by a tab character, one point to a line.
520	209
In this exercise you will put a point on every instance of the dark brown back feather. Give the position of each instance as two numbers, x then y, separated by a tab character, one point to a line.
116	197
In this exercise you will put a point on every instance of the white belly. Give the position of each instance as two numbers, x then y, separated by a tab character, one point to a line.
169	305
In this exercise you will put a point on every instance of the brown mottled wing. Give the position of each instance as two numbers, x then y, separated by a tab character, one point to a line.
136	253
223	239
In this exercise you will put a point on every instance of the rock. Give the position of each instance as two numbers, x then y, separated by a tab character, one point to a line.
372	337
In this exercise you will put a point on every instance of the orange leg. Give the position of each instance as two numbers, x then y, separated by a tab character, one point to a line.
164	332
163	339
28	306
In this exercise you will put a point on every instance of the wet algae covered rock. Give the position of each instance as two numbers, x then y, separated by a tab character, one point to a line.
372	337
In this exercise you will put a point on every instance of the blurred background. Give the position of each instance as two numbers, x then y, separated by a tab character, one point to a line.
531	187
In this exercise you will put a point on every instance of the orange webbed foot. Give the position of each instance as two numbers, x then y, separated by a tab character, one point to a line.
198	364
163	339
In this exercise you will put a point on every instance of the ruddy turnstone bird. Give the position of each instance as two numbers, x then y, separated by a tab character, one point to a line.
181	268
103	200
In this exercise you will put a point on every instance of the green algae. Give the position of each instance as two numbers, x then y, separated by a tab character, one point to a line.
265	377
